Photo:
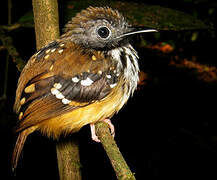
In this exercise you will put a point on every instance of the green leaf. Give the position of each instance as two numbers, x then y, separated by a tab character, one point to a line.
27	18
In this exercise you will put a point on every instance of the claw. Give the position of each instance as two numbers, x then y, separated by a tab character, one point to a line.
93	130
111	126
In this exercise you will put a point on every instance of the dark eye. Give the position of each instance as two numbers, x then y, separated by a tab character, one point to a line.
103	32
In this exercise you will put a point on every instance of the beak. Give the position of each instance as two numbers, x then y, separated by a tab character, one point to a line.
137	30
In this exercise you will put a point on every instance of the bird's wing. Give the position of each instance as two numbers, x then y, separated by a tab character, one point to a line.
60	78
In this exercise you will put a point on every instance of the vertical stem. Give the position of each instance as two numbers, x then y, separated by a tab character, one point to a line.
9	12
47	29
46	21
6	77
7	58
68	159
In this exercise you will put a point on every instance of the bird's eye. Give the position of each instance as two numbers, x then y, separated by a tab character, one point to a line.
103	32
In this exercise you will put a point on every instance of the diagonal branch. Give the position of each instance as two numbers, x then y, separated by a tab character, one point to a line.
118	163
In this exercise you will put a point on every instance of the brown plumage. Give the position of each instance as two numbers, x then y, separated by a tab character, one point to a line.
85	76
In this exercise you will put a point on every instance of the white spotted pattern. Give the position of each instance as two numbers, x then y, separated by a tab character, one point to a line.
75	79
132	68
113	85
130	71
108	76
57	85
86	82
65	101
47	51
54	91
60	51
53	50
60	96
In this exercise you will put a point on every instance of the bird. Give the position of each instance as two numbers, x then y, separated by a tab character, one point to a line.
85	76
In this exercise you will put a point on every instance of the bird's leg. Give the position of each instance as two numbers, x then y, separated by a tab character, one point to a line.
93	133
93	130
111	126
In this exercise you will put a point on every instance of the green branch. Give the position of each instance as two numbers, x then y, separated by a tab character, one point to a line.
118	163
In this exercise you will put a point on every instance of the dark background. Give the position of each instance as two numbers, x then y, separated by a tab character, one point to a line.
167	130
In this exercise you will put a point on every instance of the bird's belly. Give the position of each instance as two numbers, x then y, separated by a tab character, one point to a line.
76	119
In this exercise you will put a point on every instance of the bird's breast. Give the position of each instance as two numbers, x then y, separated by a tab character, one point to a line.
127	63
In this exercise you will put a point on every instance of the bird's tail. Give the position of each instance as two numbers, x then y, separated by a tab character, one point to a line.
19	146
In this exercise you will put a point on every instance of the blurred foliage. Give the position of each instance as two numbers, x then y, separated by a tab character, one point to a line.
27	18
139	14
143	15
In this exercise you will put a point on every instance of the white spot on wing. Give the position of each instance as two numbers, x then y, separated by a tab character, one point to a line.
65	101
47	51
75	79
60	51
59	96
57	85
54	91
108	76
86	82
53	50
113	85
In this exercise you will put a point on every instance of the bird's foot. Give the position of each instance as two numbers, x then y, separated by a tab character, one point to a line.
93	130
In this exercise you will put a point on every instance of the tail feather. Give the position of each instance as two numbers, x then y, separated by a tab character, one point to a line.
19	146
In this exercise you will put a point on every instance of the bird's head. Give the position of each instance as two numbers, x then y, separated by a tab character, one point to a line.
100	28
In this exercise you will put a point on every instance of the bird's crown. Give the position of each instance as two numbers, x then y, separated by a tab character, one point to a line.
97	28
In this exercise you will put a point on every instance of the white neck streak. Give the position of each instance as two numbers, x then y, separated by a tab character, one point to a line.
127	63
